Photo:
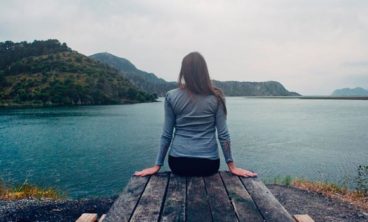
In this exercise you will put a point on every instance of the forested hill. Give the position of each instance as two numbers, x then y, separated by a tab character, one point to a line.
145	81
149	82
50	73
268	88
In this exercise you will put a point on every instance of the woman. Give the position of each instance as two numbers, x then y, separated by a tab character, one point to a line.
195	110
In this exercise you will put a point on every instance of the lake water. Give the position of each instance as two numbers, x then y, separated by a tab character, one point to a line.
92	150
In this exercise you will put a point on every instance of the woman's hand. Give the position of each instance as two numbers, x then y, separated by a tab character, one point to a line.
239	171
148	171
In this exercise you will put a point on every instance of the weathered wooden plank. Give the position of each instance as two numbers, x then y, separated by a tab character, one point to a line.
221	207
174	206
198	208
244	206
149	205
102	218
125	204
268	205
87	217
303	218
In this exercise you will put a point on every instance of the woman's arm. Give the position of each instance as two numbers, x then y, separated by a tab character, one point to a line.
167	132
223	133
166	137
239	171
225	142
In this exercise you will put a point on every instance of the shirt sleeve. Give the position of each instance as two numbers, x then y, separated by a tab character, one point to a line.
223	133
167	132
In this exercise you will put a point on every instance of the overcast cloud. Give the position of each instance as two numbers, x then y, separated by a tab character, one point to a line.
311	46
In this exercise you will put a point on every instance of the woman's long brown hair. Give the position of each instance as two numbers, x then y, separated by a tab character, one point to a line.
194	76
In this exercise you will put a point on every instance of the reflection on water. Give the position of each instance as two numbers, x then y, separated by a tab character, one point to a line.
93	150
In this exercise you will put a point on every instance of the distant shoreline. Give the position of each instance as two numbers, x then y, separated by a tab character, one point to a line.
40	105
310	97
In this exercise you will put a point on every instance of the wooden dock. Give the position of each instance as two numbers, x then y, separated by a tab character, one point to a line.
221	197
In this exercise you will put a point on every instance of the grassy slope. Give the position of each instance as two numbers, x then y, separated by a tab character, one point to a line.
357	197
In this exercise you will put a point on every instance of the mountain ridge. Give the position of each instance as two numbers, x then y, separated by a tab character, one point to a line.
151	83
145	81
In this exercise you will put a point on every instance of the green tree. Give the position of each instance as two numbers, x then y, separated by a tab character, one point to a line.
3	81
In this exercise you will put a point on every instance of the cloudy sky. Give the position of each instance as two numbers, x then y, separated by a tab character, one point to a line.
311	46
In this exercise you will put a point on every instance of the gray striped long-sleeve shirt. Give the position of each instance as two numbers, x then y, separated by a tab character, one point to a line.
190	127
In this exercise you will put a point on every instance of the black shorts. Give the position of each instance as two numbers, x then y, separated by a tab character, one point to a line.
190	166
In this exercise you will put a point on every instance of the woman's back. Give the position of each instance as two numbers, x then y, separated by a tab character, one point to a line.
195	121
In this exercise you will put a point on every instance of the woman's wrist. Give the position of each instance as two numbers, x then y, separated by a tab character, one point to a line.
231	165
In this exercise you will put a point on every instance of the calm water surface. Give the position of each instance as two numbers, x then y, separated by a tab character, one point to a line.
93	150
